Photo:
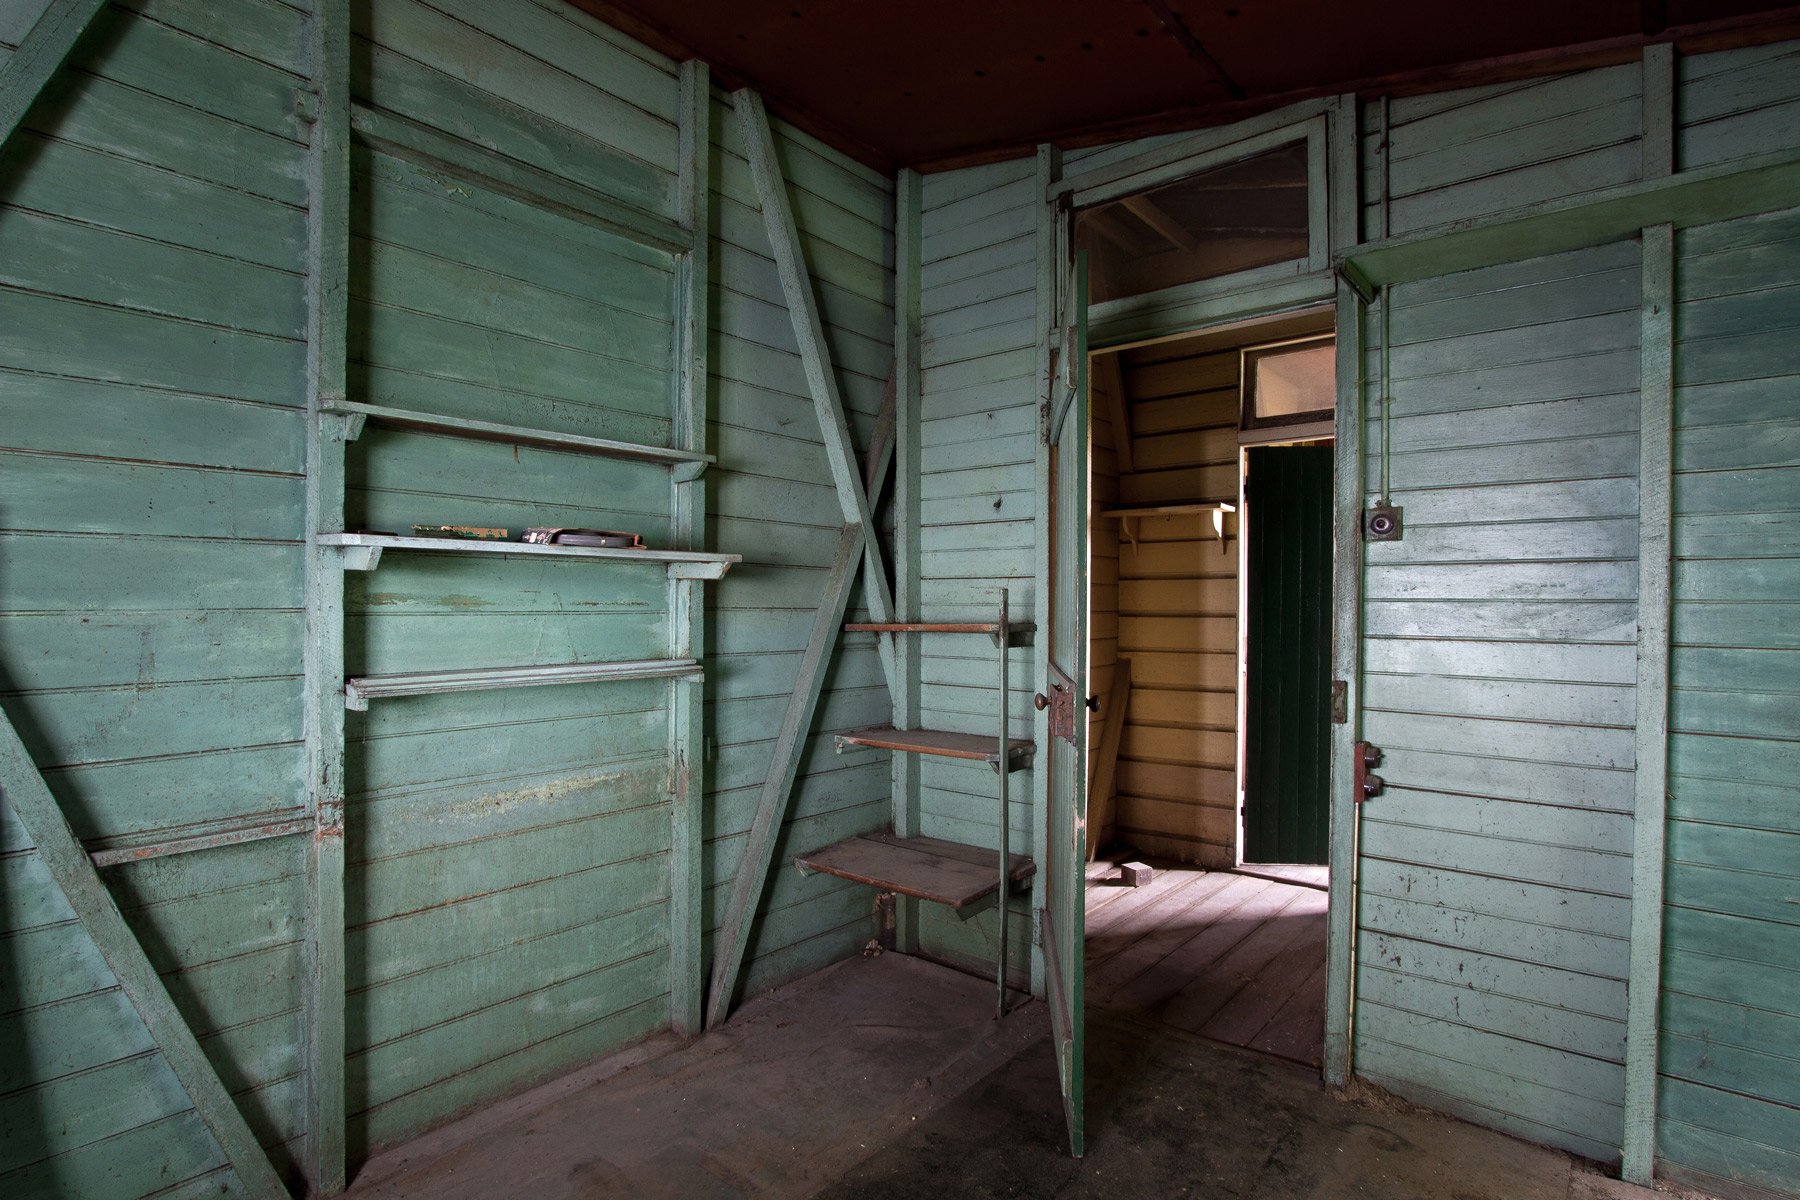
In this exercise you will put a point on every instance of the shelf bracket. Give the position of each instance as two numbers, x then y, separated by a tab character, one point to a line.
687	472
360	558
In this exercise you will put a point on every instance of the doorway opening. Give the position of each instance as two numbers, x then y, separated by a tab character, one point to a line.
1210	642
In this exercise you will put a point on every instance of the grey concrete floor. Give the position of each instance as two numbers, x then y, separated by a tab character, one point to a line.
888	1078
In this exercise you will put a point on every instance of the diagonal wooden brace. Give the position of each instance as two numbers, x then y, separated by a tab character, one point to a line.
74	873
39	57
796	285
771	804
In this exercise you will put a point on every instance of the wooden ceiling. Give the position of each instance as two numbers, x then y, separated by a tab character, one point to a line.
940	83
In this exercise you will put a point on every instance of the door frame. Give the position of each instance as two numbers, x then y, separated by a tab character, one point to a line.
1234	301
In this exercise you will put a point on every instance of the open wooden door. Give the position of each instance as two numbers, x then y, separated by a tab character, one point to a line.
1064	920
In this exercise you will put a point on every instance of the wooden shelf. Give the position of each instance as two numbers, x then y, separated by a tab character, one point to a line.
990	627
1218	509
403	418
361	689
1170	510
682	564
940	743
943	872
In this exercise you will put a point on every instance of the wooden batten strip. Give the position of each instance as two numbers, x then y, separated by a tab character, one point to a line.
327	365
1655	517
99	913
1346	668
687	610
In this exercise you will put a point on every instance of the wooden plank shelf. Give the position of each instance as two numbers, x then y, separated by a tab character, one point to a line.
361	689
489	431
947	873
363	552
939	742
1218	509
988	627
1170	510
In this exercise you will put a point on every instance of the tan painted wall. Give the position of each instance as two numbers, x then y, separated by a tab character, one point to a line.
1176	601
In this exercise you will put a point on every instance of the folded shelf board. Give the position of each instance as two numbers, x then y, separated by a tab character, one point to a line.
928	868
940	742
359	690
518	435
363	553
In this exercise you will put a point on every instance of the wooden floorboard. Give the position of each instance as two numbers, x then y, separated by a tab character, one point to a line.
1239	958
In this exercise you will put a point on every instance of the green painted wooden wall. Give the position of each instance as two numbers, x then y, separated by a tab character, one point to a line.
153	241
1499	663
1729	1100
978	430
1500	636
507	877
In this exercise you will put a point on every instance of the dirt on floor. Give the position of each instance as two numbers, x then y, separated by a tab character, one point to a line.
888	1079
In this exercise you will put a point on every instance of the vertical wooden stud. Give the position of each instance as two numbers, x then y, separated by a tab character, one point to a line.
1346	665
1658	143
327	352
904	768
1049	170
1347	565
687	612
1655	475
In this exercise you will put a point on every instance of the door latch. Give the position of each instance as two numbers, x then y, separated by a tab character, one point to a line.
1366	786
1061	703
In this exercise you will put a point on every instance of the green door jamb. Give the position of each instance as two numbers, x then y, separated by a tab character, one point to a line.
39	57
74	873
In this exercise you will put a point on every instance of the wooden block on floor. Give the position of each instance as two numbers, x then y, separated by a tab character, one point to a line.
1136	874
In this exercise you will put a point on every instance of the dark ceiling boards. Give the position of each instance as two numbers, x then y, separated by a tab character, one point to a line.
939	83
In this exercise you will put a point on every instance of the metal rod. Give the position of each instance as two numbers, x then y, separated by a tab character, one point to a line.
1387	401
1005	767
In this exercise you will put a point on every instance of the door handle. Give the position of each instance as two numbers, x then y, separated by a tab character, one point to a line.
1040	701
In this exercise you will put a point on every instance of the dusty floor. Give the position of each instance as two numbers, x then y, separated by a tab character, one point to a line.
887	1077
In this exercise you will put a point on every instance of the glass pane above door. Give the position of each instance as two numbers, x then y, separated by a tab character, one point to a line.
1247	214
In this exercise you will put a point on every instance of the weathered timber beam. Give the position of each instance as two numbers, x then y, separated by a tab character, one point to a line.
1650	807
687	608
1146	210
1104	768
74	873
1195	50
39	57
771	804
322	984
881	446
815	355
1346	668
1756	185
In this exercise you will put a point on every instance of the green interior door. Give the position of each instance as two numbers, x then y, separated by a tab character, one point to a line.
1287	702
1064	677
